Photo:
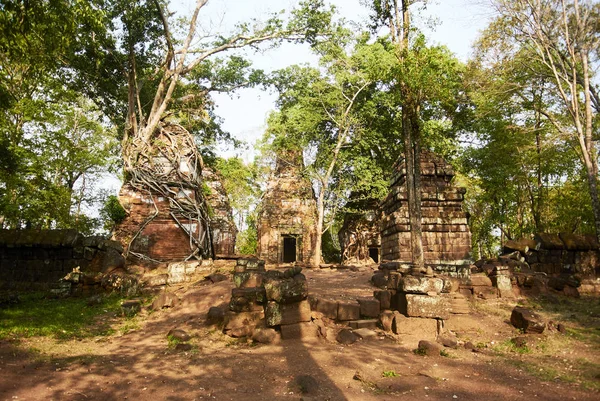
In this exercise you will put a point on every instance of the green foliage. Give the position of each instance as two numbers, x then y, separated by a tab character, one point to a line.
247	239
389	373
66	318
112	212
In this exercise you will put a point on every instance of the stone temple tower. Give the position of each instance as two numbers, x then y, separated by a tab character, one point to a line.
287	213
446	235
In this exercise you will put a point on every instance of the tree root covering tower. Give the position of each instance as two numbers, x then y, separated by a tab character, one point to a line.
287	214
446	235
224	230
167	215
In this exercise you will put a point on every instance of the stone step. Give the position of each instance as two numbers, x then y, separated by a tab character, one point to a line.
363	324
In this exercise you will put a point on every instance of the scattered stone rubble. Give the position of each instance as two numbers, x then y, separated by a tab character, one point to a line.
566	264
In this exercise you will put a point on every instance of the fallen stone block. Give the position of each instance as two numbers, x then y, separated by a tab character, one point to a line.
277	314
165	300
287	290
384	297
363	324
247	299
266	336
215	315
527	320
386	319
369	307
328	307
428	348
415	305
480	280
299	331
347	337
380	280
365	333
242	324
248	279
420	285
348	310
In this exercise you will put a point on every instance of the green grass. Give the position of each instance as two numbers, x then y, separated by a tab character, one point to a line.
389	373
66	318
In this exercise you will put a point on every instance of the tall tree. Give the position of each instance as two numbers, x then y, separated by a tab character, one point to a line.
423	81
563	37
323	112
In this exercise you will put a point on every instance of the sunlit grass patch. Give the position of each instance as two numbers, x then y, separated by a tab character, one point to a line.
65	318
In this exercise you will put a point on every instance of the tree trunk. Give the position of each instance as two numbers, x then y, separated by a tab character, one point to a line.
410	133
317	253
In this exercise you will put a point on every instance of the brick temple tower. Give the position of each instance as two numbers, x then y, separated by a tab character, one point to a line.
287	216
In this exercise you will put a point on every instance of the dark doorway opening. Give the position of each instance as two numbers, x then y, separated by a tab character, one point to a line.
289	249
374	254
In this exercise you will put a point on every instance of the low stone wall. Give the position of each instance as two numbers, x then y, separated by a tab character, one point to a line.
555	254
39	259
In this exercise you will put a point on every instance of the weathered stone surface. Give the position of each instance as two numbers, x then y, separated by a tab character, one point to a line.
346	337
216	277
242	324
277	314
155	281
363	324
415	305
179	272
248	279
459	304
247	299
380	280
328	307
348	310
480	280
448	341
266	336
527	320
429	348
386	319
369	307
420	285
393	280
287	290
165	300
179	335
384	297
365	333
299	331
215	315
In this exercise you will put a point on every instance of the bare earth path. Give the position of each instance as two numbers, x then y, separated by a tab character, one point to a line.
140	365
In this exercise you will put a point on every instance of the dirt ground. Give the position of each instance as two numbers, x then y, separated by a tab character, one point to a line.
138	363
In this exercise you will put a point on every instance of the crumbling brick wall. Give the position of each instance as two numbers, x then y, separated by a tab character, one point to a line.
224	230
287	211
446	235
38	259
360	234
